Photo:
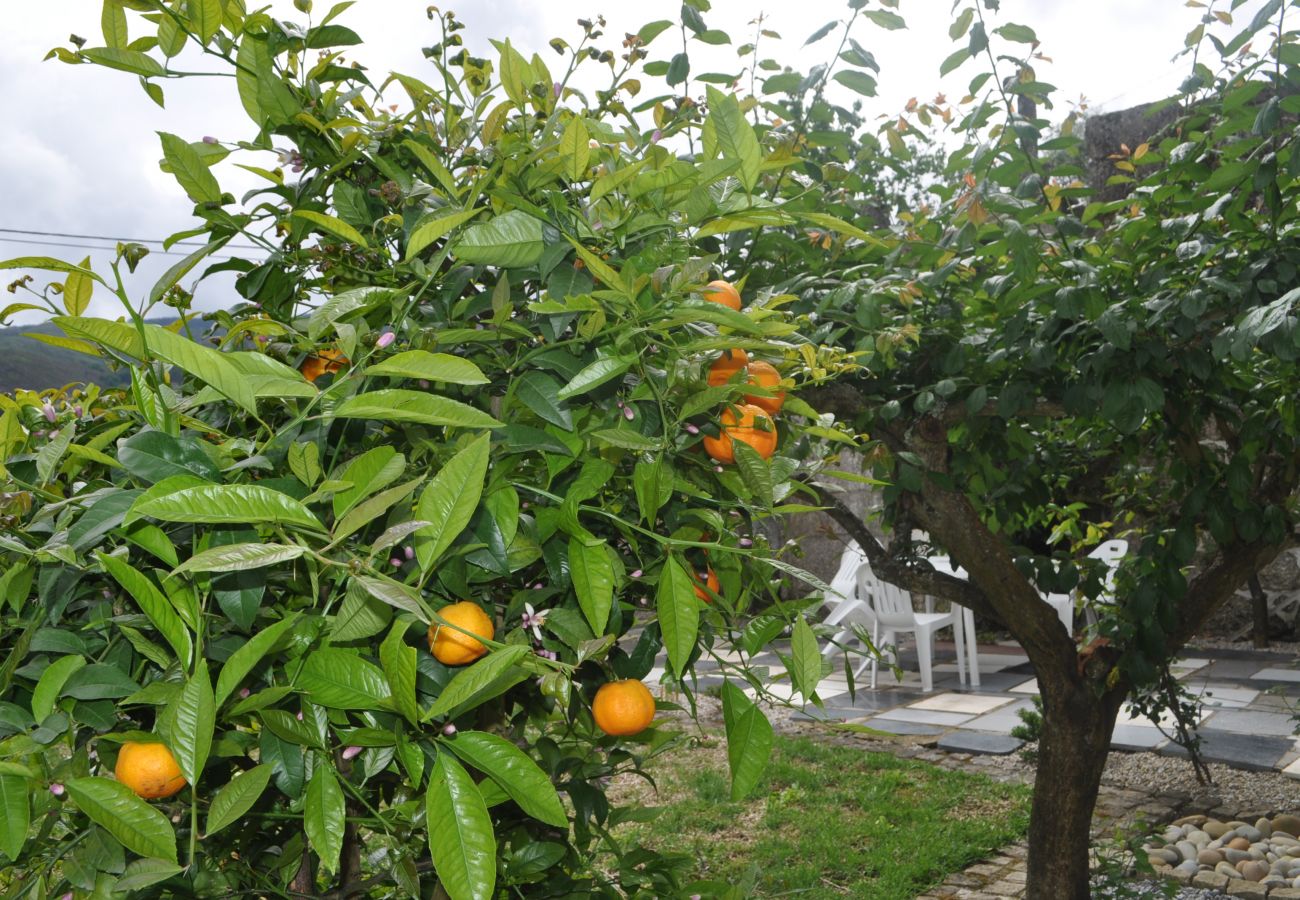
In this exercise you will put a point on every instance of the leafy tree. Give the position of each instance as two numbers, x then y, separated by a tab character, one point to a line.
1039	372
470	368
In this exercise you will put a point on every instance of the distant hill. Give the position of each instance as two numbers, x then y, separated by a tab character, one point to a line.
30	364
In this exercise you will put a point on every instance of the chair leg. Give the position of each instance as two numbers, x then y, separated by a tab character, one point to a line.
875	640
924	653
959	638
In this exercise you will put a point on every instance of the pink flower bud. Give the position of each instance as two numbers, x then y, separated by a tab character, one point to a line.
537	586
351	752
449	729
385	339
629	413
299	717
77	411
746	542
409	552
718	469
209	139
555	89
656	137
395	562
48	411
67	896
244	692
636	573
424	383
56	789
692	429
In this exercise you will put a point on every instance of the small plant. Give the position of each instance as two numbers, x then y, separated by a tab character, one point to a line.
1122	869
1030	729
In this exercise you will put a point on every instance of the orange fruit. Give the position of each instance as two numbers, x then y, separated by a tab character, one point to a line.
711	582
321	363
765	376
149	769
723	292
752	425
454	648
727	365
623	708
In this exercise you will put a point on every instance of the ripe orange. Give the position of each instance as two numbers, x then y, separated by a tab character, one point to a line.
727	365
454	648
148	769
723	292
623	708
753	426
765	376
322	362
711	582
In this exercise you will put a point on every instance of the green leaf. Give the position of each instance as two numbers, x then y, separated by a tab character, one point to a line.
541	393
396	595
426	233
124	60
323	815
858	82
592	572
173	275
341	679
153	603
115	808
242	504
330	224
749	740
821	32
594	375
143	873
375	469
189	169
472	679
652	30
890	21
51	683
679	613
461	839
99	681
187	724
1021	34
204	363
15	815
431	366
515	771
79	287
249	654
575	149
371	508
360	616
754	471
237	798
237	557
954	61
396	405
512	239
399	660
205	16
678	68
152	456
112	21
806	668
449	501
340	306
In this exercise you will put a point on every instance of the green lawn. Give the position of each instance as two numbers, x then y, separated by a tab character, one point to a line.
828	821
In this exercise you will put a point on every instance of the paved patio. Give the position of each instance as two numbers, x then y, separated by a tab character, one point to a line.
1247	697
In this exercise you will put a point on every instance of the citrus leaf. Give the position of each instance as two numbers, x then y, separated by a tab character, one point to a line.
399	660
242	661
323	816
115	808
78	288
426	233
237	797
806	670
242	504
142	873
153	603
449	501
375	469
51	684
470	680
204	363
187	724
396	595
189	169
372	508
431	366
736	137
515	771
205	16
679	613
509	240
341	679
237	557
396	405
330	224
749	740
153	456
15	814
461	839
592	572
594	375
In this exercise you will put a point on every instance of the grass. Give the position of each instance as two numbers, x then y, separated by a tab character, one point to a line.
828	821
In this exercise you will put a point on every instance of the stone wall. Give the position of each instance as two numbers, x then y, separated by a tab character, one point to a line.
1107	133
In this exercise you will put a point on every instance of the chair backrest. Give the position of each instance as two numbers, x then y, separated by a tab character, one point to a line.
844	586
1111	553
891	604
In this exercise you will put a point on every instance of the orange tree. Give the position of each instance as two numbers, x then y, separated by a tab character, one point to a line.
468	372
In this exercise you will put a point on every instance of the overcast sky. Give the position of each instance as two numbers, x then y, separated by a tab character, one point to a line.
80	154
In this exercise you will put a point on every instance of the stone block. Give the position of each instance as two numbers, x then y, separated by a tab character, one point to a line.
1210	880
1247	890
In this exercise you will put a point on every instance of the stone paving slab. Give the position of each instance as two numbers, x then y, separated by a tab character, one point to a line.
1250	721
926	716
1274	674
1242	751
970	704
1137	737
962	741
897	726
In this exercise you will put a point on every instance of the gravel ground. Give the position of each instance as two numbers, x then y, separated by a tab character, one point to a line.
1288	647
1146	889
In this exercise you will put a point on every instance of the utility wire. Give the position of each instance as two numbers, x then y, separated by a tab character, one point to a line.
105	237
13	240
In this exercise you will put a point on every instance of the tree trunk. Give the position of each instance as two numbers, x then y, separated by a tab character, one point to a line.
1259	606
1072	752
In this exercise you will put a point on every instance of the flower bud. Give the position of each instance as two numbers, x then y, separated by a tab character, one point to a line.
47	409
449	729
351	752
692	429
56	789
385	339
408	551
395	562
745	542
637	573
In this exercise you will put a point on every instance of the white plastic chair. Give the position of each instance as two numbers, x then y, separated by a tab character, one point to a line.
1111	553
893	612
845	607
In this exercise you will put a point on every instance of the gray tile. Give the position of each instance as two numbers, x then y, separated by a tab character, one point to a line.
829	714
1136	737
894	726
1241	751
1231	669
993	683
1247	721
970	704
1274	674
1001	720
907	714
962	741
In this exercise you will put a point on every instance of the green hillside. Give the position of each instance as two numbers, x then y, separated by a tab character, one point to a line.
30	364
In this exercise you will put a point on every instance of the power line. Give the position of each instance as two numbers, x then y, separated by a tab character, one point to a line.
105	237
95	247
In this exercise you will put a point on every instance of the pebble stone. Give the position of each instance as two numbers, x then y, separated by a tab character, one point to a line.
1209	857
